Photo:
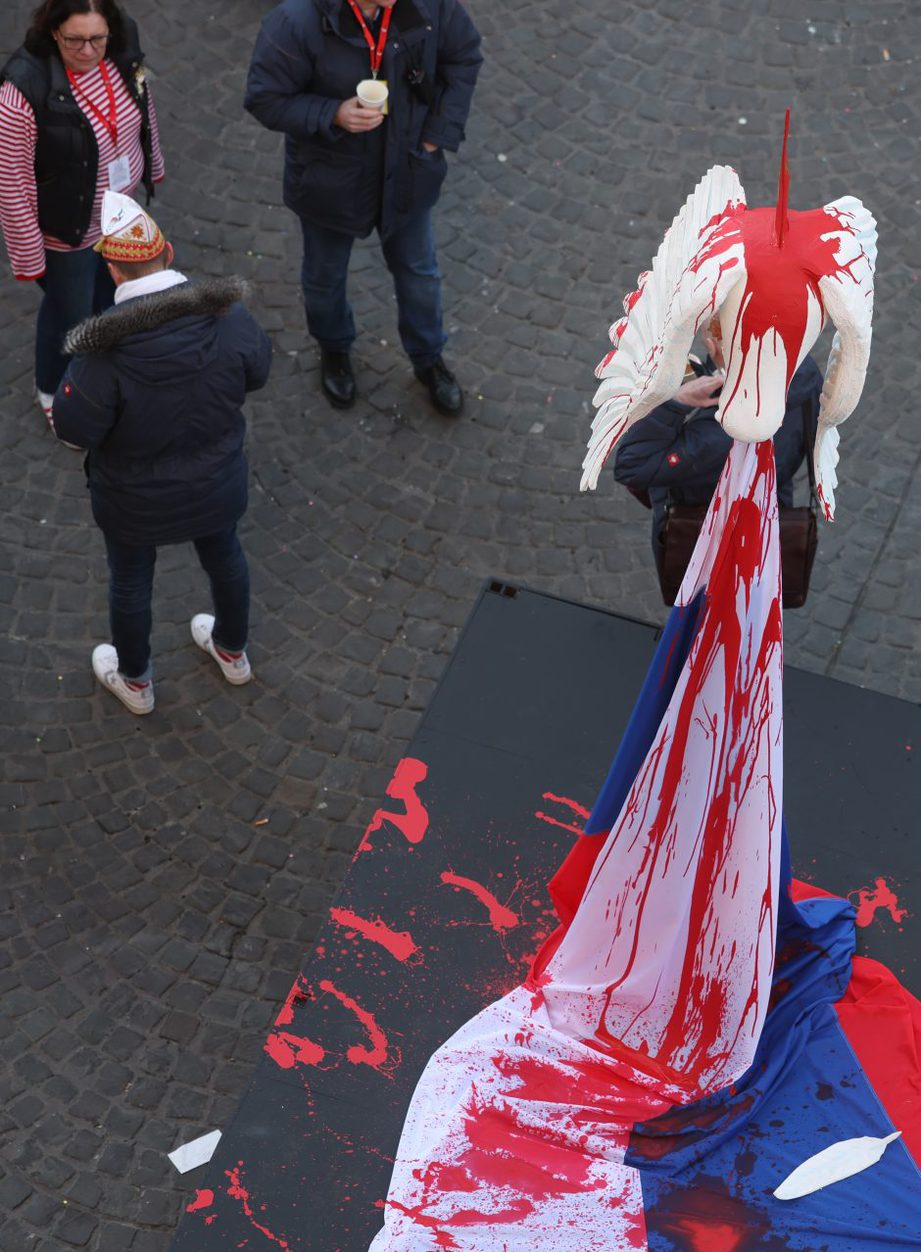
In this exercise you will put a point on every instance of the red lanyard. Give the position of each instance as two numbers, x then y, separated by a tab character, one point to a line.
110	122
377	53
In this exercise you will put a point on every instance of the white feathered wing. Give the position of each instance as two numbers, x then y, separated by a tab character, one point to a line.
848	299
688	281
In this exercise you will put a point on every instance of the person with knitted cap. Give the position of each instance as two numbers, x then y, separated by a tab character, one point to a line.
154	393
128	233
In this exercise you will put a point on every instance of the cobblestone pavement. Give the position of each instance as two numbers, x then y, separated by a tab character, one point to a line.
162	878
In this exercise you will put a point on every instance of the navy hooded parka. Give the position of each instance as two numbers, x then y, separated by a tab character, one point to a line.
155	394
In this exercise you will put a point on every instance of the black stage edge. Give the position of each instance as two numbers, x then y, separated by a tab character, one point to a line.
515	744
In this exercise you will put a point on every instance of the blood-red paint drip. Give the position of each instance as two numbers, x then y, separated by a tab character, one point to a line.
500	917
237	1191
880	897
399	943
376	1054
706	1217
412	824
570	804
203	1200
288	1050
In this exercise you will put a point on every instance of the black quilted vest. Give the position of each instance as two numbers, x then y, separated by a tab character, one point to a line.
66	154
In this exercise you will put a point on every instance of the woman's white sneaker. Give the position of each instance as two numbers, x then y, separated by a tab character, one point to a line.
138	697
234	665
45	403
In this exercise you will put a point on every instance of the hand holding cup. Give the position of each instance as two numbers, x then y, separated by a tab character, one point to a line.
355	118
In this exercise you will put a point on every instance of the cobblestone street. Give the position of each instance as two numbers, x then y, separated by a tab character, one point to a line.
163	877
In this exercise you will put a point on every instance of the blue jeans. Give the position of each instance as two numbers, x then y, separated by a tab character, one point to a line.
75	285
131	571
410	257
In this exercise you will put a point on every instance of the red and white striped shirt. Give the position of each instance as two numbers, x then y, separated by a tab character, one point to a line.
25	242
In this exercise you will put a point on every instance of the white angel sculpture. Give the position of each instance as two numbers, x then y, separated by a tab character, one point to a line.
773	275
653	993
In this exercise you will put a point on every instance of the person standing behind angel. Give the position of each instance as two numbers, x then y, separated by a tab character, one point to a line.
676	453
76	119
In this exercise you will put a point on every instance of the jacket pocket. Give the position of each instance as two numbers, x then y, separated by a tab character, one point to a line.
322	182
426	173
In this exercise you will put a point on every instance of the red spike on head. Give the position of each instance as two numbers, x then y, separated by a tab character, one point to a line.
781	219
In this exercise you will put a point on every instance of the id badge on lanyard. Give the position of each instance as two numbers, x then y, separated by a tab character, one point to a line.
119	172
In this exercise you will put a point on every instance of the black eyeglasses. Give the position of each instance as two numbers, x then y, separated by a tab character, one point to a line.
76	42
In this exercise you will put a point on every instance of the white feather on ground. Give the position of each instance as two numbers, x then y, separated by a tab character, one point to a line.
833	1164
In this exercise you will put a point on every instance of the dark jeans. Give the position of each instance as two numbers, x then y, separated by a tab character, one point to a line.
410	257
75	285
131	571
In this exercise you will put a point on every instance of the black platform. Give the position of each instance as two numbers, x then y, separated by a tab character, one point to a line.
517	741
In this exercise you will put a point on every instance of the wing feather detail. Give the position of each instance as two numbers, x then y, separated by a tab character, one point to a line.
848	299
699	260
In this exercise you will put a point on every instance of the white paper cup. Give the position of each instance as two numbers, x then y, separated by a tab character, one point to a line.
371	93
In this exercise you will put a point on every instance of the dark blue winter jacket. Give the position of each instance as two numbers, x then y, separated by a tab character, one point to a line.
155	394
310	56
676	453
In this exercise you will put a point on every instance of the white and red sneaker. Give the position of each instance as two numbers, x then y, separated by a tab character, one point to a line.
138	697
234	665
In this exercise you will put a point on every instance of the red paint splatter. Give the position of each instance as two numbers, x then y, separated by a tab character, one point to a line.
705	1217
778	284
538	1164
203	1200
376	1054
443	1238
570	804
399	943
288	1050
297	995
745	651
590	1090
500	917
412	824
237	1191
880	897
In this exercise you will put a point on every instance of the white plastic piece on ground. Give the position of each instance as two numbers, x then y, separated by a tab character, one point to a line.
198	1152
841	1160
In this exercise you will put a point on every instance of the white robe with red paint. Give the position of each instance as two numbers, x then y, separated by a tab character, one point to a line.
658	989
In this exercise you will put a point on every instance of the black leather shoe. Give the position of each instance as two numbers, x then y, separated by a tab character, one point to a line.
444	388
337	379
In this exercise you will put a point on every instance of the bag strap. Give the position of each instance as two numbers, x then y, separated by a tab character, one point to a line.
809	445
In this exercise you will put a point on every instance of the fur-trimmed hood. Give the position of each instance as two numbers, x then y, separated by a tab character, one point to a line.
211	297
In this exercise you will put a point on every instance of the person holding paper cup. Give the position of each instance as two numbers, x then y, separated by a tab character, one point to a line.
370	94
76	119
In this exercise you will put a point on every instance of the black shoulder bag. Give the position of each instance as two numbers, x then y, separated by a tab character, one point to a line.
799	539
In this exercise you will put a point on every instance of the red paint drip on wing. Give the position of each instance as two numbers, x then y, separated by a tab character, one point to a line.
203	1200
399	943
237	1191
778	280
880	896
413	823
500	917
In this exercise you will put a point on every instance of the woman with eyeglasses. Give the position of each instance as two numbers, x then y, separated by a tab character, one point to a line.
76	118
